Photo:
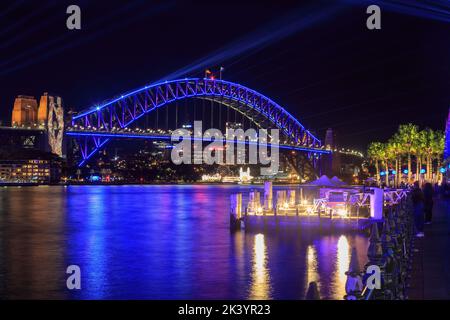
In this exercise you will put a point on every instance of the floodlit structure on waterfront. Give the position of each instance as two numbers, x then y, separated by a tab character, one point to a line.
25	111
211	178
330	207
244	177
48	116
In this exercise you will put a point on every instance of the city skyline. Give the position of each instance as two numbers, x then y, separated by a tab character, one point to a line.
332	72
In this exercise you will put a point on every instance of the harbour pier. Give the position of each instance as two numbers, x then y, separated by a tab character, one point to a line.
334	209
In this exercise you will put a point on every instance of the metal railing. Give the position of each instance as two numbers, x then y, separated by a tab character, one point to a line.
391	251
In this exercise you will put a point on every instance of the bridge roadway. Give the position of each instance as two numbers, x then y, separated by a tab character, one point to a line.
155	135
26	129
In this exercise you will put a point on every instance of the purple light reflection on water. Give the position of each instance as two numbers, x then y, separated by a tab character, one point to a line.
156	242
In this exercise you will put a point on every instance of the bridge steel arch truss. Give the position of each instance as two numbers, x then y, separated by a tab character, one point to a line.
122	111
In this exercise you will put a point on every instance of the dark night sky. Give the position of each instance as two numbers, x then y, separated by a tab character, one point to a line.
331	73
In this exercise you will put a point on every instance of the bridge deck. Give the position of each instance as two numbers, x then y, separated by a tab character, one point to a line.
163	136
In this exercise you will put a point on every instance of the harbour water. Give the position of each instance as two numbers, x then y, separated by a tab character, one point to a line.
157	242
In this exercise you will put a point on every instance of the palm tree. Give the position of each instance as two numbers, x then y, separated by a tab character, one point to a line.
426	146
438	151
432	147
394	149
421	151
374	152
407	135
385	156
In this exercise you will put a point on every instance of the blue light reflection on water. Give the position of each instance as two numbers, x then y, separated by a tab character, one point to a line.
156	242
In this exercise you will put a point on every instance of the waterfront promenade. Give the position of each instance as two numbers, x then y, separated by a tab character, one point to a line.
430	278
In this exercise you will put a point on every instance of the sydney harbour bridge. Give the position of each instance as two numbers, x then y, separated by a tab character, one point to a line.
119	118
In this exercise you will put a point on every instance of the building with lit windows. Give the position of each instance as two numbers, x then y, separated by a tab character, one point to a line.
25	171
28	166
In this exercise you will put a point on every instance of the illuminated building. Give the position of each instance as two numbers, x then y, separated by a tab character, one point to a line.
230	179
25	111
211	178
25	171
48	116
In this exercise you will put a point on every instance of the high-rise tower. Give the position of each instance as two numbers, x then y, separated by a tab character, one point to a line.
330	139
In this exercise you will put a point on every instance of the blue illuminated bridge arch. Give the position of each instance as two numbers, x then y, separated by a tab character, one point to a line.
95	126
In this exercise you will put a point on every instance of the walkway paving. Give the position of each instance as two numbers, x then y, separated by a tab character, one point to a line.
430	278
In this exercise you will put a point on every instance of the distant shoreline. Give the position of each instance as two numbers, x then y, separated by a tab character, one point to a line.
142	184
